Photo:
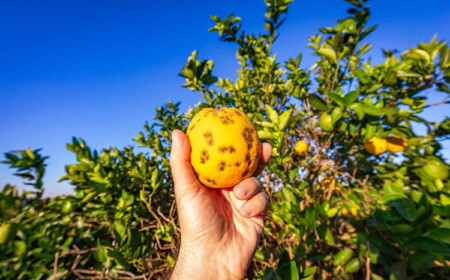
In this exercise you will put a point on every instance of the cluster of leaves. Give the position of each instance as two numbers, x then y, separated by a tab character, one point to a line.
336	210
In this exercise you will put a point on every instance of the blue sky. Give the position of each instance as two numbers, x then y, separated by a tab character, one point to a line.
97	69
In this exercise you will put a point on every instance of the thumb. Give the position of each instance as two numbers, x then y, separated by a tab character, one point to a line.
182	172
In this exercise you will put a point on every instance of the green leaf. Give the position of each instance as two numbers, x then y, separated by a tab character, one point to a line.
370	109
118	256
370	130
273	115
389	188
308	274
374	276
317	102
20	247
154	179
288	195
284	119
362	76
430	245
405	208
259	255
439	234
391	111
336	98
99	180
353	265
443	87
342	257
328	53
326	234
401	229
283	258
119	231
269	274
390	197
444	58
351	97
407	74
170	260
421	261
7	232
100	255
336	114
264	135
359	109
268	124
289	271
331	212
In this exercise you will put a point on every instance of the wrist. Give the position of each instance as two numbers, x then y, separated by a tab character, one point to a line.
192	264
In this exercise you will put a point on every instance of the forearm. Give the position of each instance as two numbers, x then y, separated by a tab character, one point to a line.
194	265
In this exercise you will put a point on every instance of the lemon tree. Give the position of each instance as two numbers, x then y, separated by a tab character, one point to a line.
370	199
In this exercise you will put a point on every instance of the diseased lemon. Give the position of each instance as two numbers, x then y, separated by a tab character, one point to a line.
396	144
375	145
301	147
225	147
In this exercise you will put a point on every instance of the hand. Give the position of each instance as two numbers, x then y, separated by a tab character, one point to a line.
220	228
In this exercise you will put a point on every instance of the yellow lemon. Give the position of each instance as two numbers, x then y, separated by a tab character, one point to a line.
225	147
354	211
301	147
396	144
346	213
375	145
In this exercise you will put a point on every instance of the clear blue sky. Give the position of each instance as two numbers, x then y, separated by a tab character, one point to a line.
97	69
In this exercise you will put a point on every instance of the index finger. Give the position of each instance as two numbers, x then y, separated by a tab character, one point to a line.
266	152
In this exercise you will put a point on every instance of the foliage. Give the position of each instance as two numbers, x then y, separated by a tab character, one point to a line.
336	210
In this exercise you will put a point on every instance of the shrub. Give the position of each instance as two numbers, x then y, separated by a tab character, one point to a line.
336	210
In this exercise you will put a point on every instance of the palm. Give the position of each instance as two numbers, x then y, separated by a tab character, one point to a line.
212	217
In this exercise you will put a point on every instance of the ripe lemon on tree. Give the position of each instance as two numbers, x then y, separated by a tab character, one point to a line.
301	147
375	145
225	147
396	144
353	213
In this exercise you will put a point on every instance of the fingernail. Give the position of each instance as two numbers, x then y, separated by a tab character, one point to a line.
174	139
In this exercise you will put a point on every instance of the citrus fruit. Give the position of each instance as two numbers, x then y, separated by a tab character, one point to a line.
435	169
375	145
301	147
346	213
325	122
66	207
225	147
396	144
7	232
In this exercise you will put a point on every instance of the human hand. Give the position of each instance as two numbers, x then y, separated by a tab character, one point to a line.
220	228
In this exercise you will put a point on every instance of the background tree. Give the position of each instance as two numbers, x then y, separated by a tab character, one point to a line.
338	210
